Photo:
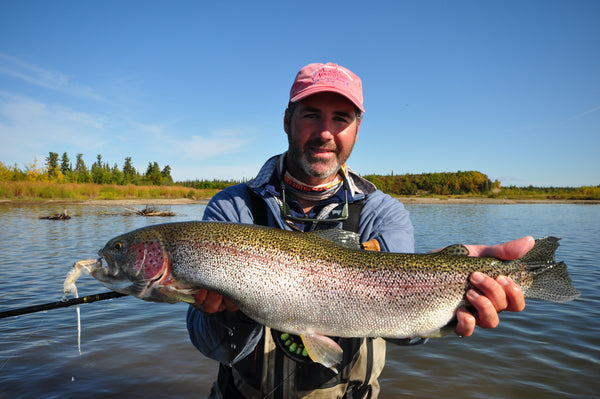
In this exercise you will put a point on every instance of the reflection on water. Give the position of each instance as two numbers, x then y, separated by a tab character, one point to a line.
135	349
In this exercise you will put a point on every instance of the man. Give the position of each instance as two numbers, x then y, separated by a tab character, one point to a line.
309	187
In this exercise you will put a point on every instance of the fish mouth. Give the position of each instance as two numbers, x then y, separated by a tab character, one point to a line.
113	277
116	278
111	268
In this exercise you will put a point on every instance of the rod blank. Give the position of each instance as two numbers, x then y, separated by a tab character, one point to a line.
61	304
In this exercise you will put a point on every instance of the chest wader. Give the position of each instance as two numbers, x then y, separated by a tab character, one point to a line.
271	372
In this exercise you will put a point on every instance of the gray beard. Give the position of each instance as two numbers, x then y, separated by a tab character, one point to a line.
308	168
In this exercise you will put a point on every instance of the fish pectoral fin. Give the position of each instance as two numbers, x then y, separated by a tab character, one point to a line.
323	350
178	295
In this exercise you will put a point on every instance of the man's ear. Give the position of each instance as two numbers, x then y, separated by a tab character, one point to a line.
286	122
357	128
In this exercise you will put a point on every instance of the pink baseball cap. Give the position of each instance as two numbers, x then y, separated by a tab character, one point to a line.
317	78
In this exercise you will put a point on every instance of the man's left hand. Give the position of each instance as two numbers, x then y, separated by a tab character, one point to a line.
492	296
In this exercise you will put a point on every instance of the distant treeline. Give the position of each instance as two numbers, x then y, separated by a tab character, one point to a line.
469	182
208	184
61	170
553	193
476	184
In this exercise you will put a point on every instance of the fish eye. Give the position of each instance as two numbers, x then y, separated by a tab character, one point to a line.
117	246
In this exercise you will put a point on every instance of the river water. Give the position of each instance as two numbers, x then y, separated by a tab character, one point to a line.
137	349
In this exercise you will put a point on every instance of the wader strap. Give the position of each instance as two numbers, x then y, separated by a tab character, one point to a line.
258	207
364	390
354	209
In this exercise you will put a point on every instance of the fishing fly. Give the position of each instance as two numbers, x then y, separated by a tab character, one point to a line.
69	287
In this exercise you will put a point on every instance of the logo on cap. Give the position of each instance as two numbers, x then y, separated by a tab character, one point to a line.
332	75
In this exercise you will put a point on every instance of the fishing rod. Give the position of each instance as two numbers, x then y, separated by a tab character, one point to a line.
61	304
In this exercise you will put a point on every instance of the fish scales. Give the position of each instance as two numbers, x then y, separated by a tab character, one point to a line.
316	286
305	284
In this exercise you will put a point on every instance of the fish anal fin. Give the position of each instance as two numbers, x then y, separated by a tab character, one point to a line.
323	350
406	341
442	331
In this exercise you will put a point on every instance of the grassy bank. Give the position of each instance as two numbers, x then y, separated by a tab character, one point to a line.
23	190
42	191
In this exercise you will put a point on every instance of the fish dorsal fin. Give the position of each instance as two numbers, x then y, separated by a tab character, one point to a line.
344	238
455	250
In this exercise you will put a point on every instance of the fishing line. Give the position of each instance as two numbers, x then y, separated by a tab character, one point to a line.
283	381
76	294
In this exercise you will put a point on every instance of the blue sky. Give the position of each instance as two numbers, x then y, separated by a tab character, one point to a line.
509	88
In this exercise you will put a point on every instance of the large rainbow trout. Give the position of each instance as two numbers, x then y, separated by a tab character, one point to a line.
316	284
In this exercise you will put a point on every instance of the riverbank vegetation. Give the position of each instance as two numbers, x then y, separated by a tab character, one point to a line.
62	171
33	190
59	180
474	184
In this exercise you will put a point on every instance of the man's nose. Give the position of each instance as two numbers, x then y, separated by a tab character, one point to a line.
326	129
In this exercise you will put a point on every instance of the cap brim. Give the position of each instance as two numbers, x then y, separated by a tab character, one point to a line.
321	89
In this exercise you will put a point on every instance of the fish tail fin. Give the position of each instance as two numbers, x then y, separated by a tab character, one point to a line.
548	280
551	282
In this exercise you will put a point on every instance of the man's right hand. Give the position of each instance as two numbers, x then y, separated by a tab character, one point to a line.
211	302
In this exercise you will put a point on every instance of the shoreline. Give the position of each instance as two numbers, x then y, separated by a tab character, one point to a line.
108	202
187	201
490	201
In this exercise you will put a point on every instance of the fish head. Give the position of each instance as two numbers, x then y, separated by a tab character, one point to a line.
136	264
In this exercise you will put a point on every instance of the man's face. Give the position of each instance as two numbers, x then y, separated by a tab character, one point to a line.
321	134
